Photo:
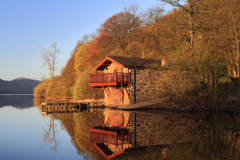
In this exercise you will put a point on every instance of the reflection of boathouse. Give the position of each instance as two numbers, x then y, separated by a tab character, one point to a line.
112	136
124	80
122	132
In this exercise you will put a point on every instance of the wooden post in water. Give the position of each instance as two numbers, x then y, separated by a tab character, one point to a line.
135	134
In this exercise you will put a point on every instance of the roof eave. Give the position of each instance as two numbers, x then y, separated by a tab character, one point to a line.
107	58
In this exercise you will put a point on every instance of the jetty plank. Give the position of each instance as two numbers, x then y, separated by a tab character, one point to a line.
68	107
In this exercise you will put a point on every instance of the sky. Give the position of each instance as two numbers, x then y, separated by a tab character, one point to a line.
26	26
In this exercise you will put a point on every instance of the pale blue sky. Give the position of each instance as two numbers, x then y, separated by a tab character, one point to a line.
26	25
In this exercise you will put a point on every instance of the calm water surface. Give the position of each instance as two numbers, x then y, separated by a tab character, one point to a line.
27	134
22	132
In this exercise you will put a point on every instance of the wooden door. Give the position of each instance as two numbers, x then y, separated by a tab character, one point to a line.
115	118
115	96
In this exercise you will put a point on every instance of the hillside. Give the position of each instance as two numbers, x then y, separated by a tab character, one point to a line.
18	86
199	39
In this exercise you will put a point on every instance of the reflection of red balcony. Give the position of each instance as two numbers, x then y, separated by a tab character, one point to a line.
109	79
115	137
106	137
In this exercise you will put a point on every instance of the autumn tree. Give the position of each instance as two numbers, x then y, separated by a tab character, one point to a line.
135	49
228	32
68	77
120	27
148	40
49	57
81	88
117	52
152	14
191	12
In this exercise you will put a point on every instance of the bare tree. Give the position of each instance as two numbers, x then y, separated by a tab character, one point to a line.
149	19
152	14
49	136
191	11
233	62
49	57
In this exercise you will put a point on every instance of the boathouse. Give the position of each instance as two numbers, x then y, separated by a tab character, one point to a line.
125	80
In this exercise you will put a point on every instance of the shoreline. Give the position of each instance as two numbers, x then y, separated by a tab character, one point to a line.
10	94
161	104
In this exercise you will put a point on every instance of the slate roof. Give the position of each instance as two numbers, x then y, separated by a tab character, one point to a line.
128	62
134	62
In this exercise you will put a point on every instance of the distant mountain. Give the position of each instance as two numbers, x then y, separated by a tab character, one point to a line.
18	86
17	101
26	82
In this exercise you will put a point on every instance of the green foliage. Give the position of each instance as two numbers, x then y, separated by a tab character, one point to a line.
81	90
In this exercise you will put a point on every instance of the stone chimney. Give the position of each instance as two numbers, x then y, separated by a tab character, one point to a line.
163	61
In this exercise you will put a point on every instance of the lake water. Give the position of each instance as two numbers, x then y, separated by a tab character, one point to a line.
22	129
27	134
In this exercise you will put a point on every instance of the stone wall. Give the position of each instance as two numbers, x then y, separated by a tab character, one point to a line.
143	85
112	67
124	114
125	100
157	129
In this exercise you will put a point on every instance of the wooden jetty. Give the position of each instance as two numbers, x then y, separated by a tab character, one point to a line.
68	107
51	108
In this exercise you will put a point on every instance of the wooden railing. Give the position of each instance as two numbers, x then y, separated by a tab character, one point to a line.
110	137
109	79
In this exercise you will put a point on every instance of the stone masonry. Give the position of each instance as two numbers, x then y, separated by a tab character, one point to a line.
143	85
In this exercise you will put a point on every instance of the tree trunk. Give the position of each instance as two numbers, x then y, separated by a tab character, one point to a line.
191	29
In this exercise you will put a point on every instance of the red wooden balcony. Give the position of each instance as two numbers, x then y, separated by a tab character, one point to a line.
109	79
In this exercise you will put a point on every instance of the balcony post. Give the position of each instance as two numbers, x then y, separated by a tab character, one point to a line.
115	138
102	137
129	75
122	76
95	76
115	76
89	79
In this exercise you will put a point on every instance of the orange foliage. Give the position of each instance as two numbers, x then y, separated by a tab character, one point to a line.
68	73
78	45
91	54
119	29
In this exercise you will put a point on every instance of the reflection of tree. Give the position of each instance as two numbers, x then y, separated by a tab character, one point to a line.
38	102
188	136
77	126
218	138
211	137
49	136
67	123
84	121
